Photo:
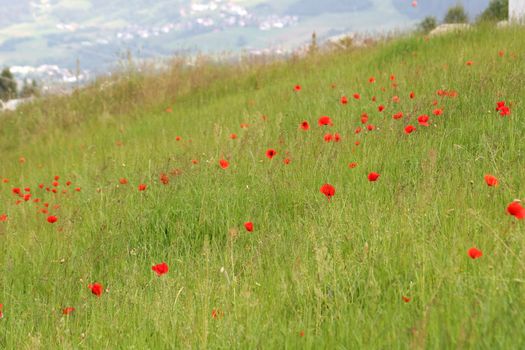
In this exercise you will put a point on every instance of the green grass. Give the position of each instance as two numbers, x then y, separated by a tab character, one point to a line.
334	269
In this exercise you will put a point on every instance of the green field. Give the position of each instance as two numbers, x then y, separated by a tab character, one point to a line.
315	272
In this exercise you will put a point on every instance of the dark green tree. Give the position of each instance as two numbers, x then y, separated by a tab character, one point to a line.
456	14
29	90
427	24
498	10
8	88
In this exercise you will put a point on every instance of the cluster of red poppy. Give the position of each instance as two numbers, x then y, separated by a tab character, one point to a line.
324	122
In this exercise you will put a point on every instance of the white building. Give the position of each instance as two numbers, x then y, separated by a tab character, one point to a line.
517	10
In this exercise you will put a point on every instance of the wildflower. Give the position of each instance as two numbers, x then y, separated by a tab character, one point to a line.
324	120
305	126
52	219
96	288
409	129
160	269
423	120
344	100
270	153
328	190
66	311
373	176
515	209
224	163
142	187
248	226
475	253
491	180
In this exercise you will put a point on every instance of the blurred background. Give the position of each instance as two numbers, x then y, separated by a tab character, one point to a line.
71	41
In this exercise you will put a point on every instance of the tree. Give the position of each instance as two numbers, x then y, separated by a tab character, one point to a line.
8	88
456	14
29	90
498	10
427	24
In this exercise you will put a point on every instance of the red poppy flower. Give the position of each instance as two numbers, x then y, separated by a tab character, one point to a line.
68	183
16	190
398	115
406	299
370	127
52	219
423	120
328	137
504	111
357	143
381	108
169	110
270	153
286	161
233	136
224	163
178	138
344	100
515	209
96	288
3	218
357	96
392	77
67	310
27	197
248	226
160	269
412	95
27	189
164	179
470	63
5	180
297	88
142	187
305	126
328	190
364	118
491	180
352	165
216	313
358	130
373	176
395	99
301	333
1	313
77	189
55	183
438	111
123	181
475	253
410	129
324	120
501	53
337	137
194	161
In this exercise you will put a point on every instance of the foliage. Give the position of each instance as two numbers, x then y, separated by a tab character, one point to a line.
498	10
456	14
8	86
428	24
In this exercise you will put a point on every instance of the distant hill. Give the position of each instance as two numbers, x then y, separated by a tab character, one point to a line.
98	32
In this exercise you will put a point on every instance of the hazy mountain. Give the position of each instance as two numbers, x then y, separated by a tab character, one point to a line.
98	32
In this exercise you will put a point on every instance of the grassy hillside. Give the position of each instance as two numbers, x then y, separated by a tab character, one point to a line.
381	264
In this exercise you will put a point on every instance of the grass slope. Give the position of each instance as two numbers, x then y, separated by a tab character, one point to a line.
314	273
